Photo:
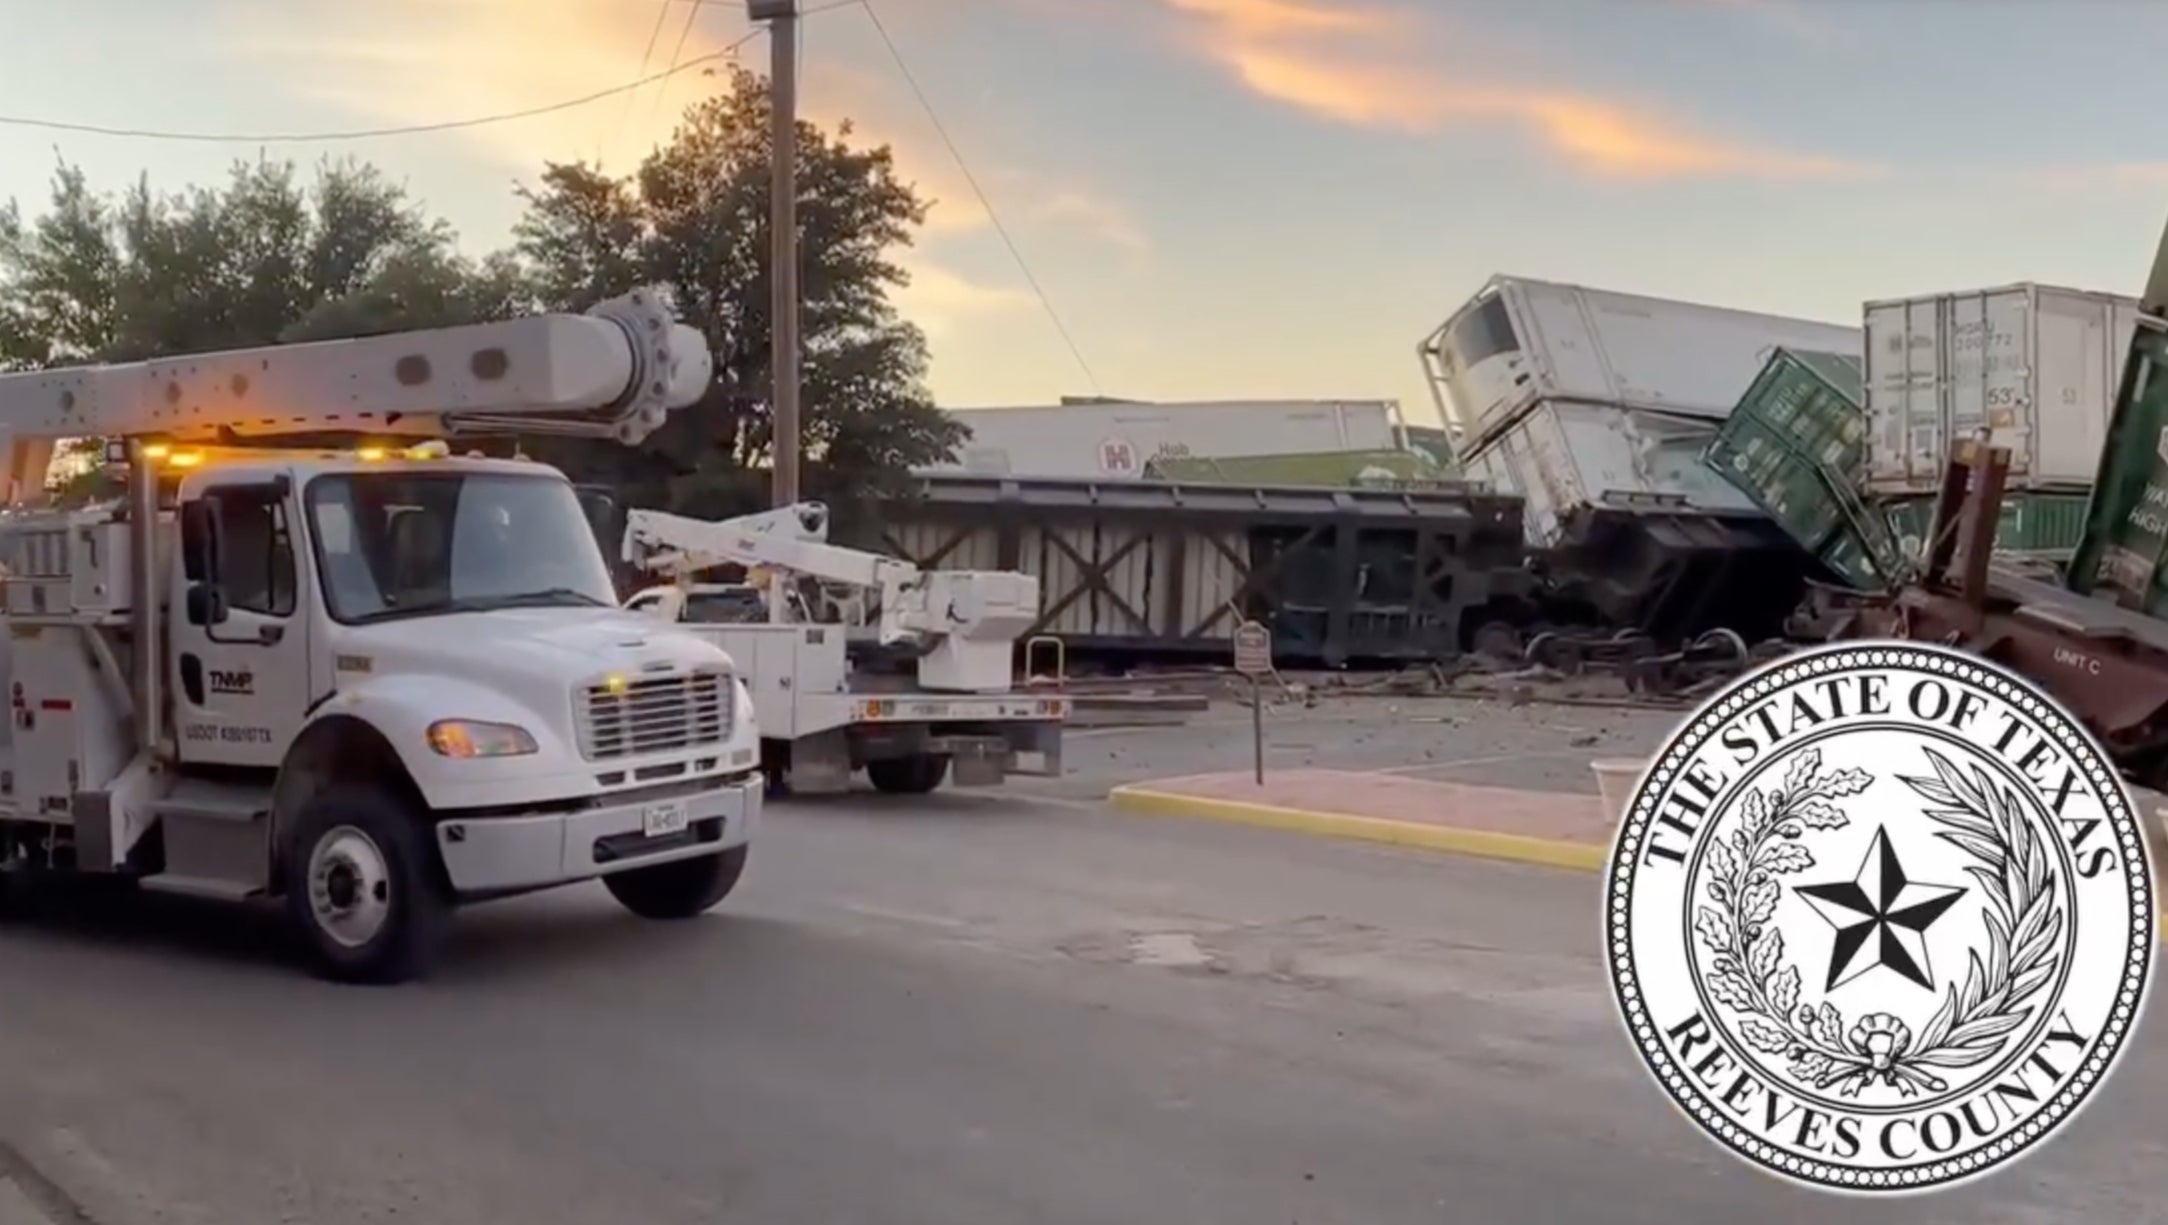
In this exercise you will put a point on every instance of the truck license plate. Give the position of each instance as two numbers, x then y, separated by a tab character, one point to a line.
662	820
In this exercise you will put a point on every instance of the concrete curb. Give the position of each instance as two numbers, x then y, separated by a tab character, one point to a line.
1481	843
1487	844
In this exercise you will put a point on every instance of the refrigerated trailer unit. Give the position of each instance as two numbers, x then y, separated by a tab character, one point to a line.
1596	407
1521	342
2035	366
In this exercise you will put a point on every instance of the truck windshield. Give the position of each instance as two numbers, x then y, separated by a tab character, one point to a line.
404	544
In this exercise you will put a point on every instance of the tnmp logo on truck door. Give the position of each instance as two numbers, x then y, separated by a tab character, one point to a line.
241	682
1879	917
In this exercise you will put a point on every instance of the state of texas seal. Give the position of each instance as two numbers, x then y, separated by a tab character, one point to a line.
1879	917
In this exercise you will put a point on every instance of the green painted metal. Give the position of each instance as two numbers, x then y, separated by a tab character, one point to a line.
1796	445
2125	540
1433	443
2047	525
1328	469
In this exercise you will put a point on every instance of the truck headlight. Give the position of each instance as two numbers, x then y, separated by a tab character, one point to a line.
468	738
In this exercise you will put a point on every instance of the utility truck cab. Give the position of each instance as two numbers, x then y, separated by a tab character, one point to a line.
379	682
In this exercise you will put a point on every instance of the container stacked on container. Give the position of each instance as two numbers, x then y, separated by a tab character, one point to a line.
1595	407
1576	398
2034	367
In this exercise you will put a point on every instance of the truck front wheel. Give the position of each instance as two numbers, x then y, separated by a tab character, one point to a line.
915	774
681	889
363	888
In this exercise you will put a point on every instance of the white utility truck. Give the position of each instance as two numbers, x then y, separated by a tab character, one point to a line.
931	694
373	683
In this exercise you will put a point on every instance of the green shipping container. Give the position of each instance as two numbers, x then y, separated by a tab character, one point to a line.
2046	525
1796	445
2125	540
1329	469
1433	443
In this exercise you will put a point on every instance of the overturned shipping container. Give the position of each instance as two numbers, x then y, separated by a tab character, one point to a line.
1796	445
1597	407
2035	366
2123	553
1522	342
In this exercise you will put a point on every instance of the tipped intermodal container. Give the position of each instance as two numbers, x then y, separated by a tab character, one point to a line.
2125	541
2035	366
1520	344
1795	444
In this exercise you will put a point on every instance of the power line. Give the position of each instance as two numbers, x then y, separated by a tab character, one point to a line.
685	33
418	129
662	18
1022	266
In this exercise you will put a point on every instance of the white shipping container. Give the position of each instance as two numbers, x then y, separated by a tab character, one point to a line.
1561	458
1520	342
2037	366
1094	440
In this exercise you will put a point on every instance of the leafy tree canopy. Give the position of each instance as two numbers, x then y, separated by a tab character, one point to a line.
270	258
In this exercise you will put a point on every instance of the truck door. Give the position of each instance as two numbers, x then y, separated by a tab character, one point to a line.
240	672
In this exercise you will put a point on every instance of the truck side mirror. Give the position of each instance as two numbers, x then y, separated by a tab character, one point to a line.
206	605
199	542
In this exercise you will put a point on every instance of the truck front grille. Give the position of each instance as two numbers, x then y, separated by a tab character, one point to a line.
654	715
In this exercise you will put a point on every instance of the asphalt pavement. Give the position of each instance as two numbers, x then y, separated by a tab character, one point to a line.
1485	743
972	1009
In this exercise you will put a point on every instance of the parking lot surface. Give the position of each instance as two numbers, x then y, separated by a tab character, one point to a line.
979	1008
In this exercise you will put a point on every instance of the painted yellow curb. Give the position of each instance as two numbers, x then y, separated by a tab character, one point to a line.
1489	844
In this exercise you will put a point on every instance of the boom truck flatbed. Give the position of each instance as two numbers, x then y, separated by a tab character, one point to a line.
954	712
370	684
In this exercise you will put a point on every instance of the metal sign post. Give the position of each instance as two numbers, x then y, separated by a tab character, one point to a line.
1253	659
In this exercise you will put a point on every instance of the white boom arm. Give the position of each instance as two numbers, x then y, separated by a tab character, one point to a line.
967	620
616	372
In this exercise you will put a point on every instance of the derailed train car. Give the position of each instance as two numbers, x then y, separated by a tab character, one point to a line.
1167	570
1596	408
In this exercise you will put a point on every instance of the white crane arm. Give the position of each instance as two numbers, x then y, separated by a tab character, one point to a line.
968	620
617	371
792	538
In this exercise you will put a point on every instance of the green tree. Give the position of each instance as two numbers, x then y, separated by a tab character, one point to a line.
267	258
263	259
695	217
103	278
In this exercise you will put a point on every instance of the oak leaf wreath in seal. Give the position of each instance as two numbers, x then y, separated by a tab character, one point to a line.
1750	974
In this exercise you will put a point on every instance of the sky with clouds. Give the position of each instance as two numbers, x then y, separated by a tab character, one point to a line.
1232	198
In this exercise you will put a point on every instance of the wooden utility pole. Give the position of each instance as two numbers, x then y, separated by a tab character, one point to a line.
782	19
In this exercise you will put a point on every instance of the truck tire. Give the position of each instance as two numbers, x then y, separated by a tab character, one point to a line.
364	889
916	774
680	889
